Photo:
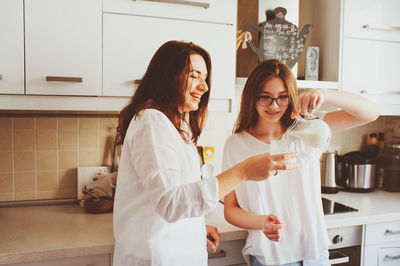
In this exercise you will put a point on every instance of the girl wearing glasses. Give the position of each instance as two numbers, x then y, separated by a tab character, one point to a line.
269	104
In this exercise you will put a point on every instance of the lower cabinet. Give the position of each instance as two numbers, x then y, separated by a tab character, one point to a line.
382	244
98	260
229	253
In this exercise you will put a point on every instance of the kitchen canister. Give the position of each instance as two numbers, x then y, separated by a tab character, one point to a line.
389	167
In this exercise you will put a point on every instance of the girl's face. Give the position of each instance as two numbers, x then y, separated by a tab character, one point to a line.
197	85
273	101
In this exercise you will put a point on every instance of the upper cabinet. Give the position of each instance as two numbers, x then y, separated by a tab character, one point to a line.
63	47
372	20
143	26
74	48
359	46
11	47
217	11
371	51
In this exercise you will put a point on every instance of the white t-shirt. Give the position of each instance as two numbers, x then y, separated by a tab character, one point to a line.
160	199
294	196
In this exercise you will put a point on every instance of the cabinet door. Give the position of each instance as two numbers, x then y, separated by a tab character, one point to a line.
220	11
63	47
11	47
382	233
131	41
372	19
228	253
382	255
370	66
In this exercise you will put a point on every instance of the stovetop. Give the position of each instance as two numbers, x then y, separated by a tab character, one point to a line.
332	207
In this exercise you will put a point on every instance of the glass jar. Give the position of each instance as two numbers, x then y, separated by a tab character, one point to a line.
389	167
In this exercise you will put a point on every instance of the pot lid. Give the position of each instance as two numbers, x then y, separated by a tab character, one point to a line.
359	157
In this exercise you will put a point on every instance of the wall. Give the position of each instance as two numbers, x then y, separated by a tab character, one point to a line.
39	153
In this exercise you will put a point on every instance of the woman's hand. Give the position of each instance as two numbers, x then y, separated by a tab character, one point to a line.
271	227
212	237
260	167
308	102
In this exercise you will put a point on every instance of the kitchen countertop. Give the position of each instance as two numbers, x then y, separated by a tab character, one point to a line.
64	231
39	233
373	207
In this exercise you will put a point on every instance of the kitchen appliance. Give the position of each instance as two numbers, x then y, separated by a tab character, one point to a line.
332	207
328	173
345	247
389	168
356	171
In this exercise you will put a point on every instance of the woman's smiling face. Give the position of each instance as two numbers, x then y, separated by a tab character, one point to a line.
268	111
197	85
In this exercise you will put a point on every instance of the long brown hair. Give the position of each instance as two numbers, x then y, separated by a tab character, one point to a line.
265	71
163	87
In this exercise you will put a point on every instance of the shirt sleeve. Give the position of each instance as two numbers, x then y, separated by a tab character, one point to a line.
155	157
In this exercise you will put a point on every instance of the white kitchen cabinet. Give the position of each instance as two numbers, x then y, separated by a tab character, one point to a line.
63	47
127	52
217	11
372	19
371	51
228	253
369	66
382	244
11	47
98	260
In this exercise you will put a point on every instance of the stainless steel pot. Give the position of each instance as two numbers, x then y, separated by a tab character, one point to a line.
328	173
356	171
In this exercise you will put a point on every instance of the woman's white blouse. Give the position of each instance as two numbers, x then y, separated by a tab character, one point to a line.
160	199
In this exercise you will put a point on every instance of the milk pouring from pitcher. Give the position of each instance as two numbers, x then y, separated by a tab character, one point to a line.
313	131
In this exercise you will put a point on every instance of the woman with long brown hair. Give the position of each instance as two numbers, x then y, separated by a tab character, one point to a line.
160	199
269	109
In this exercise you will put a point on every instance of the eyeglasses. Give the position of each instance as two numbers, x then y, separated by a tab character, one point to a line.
281	101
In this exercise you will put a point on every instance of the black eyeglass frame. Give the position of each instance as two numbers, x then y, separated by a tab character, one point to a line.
272	100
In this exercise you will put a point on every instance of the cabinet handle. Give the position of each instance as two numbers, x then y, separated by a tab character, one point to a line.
219	254
379	92
380	27
181	2
390	232
1	77
388	257
136	81
64	79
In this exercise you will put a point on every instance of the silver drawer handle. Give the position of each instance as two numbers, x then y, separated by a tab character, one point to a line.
380	27
388	257
64	79
390	232
219	254
379	92
181	2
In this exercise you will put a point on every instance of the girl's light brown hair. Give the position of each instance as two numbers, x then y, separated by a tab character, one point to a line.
265	71
163	87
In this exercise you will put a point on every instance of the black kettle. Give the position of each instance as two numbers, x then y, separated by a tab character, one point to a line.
356	171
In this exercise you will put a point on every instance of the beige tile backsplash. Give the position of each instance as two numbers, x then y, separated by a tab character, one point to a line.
39	153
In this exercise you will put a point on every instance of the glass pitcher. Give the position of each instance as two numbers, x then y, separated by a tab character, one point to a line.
312	130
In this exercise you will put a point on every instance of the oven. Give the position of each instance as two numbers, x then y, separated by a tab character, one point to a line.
345	248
